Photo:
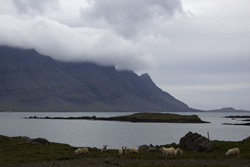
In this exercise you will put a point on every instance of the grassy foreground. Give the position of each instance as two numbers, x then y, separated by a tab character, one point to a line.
11	151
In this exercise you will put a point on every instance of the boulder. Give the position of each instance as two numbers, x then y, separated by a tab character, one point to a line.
246	139
144	147
195	142
37	141
2	136
153	150
147	148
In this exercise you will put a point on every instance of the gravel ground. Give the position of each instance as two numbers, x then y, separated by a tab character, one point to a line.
103	162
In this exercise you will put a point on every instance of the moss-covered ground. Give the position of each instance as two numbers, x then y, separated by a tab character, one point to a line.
12	150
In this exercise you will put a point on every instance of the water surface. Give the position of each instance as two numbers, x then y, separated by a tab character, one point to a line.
92	133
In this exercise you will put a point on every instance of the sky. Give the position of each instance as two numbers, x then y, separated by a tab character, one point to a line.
196	50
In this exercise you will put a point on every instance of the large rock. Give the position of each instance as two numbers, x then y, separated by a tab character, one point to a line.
147	148
37	141
153	150
2	136
246	139
144	147
195	142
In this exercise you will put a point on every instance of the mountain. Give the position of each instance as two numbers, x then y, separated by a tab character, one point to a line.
30	81
227	109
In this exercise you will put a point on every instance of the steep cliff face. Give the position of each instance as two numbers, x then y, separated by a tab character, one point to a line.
30	81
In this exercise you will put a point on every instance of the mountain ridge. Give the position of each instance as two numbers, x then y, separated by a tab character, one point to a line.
30	81
227	109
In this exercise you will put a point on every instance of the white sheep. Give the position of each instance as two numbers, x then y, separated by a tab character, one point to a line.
104	148
177	152
168	151
133	150
233	151
123	151
82	151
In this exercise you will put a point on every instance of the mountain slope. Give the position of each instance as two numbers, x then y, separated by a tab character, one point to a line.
30	81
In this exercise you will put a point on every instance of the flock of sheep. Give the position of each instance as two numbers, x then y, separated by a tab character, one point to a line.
165	151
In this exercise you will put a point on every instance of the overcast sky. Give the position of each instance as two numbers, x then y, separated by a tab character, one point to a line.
196	50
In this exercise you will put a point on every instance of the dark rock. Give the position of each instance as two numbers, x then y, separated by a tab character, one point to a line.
2	136
195	142
147	148
246	139
144	147
25	138
37	141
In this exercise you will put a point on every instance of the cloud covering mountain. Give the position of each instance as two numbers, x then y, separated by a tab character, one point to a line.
196	50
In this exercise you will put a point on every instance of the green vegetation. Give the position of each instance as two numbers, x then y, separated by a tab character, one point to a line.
219	149
12	150
161	116
168	165
165	116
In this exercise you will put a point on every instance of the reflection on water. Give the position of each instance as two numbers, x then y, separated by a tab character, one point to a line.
116	134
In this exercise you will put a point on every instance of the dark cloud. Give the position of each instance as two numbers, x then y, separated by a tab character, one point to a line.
129	17
192	49
79	44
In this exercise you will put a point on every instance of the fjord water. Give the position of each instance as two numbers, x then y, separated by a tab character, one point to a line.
92	133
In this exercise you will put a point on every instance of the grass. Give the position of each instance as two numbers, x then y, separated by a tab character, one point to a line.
169	165
14	152
161	116
11	151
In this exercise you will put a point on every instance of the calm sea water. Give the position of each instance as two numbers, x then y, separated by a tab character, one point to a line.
90	133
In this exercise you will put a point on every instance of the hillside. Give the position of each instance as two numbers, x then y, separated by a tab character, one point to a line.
30	81
227	109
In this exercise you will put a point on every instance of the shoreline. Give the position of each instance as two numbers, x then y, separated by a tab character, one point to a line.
58	154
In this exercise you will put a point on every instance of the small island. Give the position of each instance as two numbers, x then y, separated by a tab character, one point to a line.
144	117
236	117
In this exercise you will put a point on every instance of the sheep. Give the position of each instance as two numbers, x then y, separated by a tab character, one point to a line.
104	148
233	151
123	151
82	151
177	152
167	151
133	150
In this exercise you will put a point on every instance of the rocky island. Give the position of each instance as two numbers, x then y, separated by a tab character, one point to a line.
138	117
238	117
